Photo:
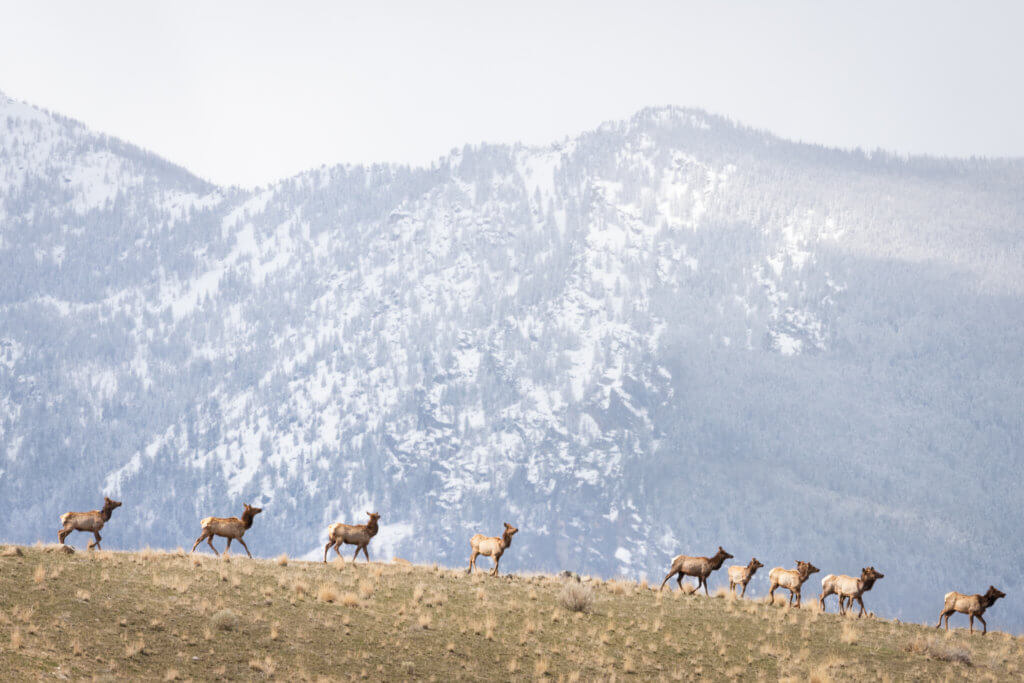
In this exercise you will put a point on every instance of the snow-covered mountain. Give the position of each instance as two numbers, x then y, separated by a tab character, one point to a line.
661	336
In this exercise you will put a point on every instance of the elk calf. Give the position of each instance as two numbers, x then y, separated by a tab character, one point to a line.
848	588
790	579
700	567
740	575
358	535
971	605
230	528
87	521
490	546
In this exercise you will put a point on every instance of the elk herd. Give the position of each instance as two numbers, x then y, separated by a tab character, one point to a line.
846	588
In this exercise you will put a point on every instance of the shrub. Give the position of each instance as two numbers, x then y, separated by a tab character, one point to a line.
224	620
576	597
935	648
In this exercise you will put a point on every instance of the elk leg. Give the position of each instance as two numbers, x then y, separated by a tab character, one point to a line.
494	572
227	547
472	562
744	590
972	622
771	594
209	541
326	548
62	534
98	539
862	610
704	580
945	614
246	548
984	626
198	541
355	554
337	550
366	554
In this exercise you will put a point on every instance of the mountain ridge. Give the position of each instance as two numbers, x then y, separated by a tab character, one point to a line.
584	336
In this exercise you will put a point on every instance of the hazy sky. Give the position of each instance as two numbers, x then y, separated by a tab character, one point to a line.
248	92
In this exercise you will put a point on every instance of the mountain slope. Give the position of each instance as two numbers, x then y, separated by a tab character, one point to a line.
664	335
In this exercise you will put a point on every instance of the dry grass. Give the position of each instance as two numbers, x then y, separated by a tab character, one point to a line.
265	665
134	647
282	560
541	667
327	592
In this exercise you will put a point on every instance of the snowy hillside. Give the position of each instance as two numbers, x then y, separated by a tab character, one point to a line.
661	336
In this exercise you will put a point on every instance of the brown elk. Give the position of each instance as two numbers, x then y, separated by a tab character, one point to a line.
848	588
358	535
230	528
971	605
87	521
740	575
700	567
790	579
490	546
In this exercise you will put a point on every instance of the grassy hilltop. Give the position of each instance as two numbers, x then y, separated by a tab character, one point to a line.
170	616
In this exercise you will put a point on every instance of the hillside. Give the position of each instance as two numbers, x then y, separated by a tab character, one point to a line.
169	616
667	334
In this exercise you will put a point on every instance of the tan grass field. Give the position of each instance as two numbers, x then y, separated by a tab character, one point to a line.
169	616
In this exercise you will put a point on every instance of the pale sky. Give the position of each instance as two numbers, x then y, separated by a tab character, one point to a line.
248	92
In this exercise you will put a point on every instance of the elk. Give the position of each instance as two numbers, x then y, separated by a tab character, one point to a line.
740	575
358	535
971	605
790	579
230	528
490	546
87	521
848	588
701	567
